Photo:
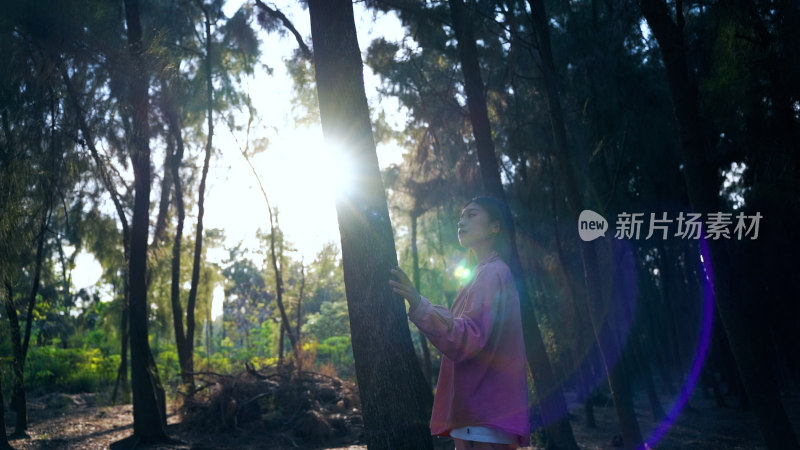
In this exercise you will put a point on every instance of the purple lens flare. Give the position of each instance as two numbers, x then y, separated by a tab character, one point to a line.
700	354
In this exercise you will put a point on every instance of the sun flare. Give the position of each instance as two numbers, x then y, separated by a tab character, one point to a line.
307	170
302	178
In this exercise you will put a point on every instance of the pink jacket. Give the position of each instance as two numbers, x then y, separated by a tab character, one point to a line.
483	377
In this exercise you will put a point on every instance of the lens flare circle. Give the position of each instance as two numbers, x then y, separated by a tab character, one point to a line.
700	354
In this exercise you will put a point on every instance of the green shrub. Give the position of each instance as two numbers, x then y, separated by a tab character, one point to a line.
54	369
338	351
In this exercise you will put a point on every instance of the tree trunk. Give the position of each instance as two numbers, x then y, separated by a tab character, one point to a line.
159	231
20	343
748	342
579	309
620	392
209	336
163	203
18	401
274	258
148	416
37	272
175	123
670	314
187	363
280	342
476	100
395	400
122	373
551	396
643	366
4	445
300	299
588	403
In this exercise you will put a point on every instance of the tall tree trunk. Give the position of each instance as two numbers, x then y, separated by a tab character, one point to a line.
670	313
275	260
395	400
88	137
175	123
300	299
122	371
281	343
4	445
19	342
656	336
748	342
423	341
579	309
18	401
163	203
37	272
553	405
276	256
187	363
148	416
642	362
620	391
209	336
476	100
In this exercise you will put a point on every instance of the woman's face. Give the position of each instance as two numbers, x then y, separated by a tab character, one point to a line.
475	227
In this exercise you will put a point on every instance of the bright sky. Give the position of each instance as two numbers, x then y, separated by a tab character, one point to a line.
299	175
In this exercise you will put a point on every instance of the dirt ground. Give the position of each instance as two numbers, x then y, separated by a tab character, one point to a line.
74	422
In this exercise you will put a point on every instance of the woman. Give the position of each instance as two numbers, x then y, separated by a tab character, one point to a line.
482	394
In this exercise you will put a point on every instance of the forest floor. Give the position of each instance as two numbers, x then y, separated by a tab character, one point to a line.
75	422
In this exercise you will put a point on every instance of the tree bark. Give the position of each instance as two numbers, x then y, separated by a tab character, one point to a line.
747	341
88	137
3	435
395	400
122	371
163	203
148	416
19	342
37	272
280	342
620	391
174	124
476	99
274	258
300	299
551	396
187	362
4	445
18	366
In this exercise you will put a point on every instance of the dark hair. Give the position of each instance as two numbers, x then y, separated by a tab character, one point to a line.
504	242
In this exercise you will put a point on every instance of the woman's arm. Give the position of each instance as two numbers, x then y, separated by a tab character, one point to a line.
460	338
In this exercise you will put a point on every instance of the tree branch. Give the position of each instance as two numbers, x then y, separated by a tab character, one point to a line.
275	13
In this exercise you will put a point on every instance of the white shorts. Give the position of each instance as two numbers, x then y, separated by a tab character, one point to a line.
483	434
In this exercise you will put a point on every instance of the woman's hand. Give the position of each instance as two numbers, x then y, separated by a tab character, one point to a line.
404	287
